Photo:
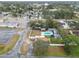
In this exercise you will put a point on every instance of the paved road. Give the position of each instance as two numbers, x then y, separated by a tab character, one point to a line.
29	54
15	52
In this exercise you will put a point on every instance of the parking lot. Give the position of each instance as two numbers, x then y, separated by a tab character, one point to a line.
5	35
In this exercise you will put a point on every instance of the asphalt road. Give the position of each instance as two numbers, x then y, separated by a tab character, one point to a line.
15	52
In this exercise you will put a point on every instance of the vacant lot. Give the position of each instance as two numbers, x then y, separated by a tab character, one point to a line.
55	51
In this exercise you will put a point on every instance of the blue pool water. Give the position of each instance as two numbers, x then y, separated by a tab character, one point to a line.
47	33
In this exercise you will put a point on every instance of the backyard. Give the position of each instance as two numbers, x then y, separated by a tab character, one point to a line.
38	33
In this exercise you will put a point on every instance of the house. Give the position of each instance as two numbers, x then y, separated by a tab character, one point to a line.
55	32
63	23
5	13
53	9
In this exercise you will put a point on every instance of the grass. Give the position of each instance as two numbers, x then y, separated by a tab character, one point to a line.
2	47
10	45
55	51
56	40
74	51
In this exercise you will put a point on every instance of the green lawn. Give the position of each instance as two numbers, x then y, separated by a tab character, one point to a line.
56	40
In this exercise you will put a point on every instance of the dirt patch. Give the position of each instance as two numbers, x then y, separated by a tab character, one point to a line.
25	45
2	46
24	49
56	51
45	39
35	32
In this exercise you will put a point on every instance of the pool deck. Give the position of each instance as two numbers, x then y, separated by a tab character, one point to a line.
37	33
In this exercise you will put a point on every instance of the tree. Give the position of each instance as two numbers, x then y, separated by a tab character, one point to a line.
51	24
71	42
75	51
56	40
64	14
40	48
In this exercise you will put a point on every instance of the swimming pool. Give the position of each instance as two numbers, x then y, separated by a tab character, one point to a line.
47	33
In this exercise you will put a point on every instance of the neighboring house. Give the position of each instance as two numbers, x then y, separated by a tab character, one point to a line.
5	13
53	9
76	13
63	23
